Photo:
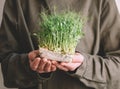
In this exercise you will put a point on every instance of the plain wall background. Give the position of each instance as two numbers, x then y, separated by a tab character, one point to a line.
1	8
118	4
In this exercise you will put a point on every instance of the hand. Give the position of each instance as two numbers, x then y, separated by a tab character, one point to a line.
38	64
77	61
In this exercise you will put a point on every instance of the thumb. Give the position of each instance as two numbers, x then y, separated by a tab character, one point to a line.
77	58
33	54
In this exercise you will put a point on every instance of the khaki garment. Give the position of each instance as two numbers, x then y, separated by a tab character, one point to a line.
100	45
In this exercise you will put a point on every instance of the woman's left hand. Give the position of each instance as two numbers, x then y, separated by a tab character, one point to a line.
77	60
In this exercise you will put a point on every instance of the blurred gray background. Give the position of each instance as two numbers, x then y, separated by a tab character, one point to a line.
1	8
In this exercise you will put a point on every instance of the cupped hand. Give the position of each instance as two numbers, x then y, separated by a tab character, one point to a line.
40	65
76	62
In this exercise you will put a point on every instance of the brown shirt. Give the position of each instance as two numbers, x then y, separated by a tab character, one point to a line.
100	45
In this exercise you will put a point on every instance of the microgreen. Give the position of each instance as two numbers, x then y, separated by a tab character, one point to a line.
60	32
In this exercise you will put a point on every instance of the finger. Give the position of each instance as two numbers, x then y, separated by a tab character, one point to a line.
67	65
53	68
42	64
47	67
77	58
36	52
40	71
71	66
32	55
62	67
34	64
54	62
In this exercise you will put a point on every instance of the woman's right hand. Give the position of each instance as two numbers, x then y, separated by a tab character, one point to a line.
39	64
